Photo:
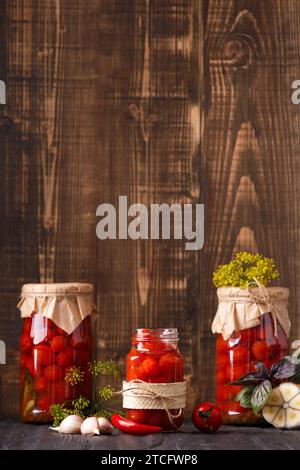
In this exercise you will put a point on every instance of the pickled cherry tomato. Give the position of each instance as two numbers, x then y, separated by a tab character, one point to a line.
26	343
239	354
154	358
44	402
151	367
53	373
260	350
58	343
40	384
171	366
29	365
65	358
42	355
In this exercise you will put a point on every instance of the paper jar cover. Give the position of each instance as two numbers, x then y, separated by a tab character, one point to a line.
240	309
65	304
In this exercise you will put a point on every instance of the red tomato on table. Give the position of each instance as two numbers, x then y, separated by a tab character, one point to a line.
207	417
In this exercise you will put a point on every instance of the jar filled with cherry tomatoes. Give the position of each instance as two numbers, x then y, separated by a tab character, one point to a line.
56	336
155	365
252	328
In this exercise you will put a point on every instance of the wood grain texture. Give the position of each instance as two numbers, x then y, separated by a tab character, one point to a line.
251	151
162	101
17	436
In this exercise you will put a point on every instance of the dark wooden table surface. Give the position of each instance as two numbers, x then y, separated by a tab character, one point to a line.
17	436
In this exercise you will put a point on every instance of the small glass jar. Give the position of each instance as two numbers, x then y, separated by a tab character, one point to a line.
237	356
48	351
155	358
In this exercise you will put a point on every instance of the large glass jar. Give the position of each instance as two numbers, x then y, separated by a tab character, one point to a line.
155	358
266	342
49	347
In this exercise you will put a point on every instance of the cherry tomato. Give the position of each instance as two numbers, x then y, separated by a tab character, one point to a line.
40	384
51	333
44	402
151	367
58	343
247	337
62	391
171	366
53	373
26	343
239	354
42	355
137	373
260	350
65	358
207	417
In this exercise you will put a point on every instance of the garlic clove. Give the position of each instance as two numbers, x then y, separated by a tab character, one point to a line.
295	344
90	426
105	426
69	425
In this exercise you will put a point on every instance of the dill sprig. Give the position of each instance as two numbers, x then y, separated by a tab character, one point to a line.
104	368
244	269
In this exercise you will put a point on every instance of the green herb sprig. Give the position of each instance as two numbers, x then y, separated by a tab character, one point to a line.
82	406
244	269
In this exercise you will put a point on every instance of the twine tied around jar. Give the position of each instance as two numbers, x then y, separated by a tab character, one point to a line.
264	297
138	394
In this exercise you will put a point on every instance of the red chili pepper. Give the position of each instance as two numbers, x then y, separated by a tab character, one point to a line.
131	427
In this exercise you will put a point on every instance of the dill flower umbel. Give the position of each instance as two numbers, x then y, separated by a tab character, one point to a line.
244	269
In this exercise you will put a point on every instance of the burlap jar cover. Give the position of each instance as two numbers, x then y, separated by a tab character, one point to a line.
66	304
240	309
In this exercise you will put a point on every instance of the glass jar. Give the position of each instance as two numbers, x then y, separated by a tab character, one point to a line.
237	356
155	358
49	347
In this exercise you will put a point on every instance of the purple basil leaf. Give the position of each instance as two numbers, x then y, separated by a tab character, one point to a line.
248	379
283	369
263	372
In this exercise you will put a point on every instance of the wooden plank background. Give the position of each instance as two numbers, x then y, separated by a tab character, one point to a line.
162	101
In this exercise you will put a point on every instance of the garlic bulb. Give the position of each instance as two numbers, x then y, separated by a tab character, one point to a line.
70	425
282	408
90	426
105	426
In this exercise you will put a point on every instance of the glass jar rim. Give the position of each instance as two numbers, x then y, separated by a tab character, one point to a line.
153	334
